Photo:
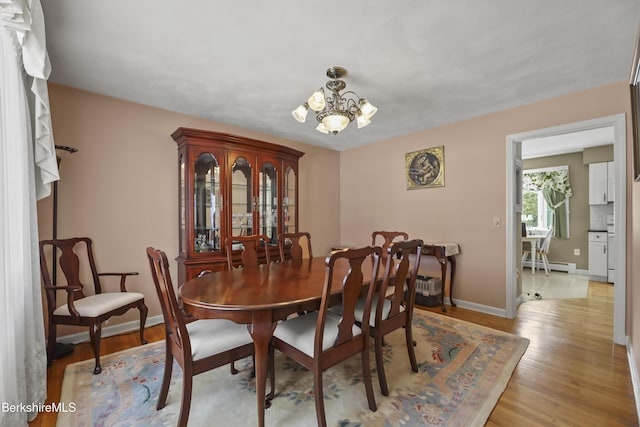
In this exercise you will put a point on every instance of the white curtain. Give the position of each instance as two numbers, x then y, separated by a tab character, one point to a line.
27	167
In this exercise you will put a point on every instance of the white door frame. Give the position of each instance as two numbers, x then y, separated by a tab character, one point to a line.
618	123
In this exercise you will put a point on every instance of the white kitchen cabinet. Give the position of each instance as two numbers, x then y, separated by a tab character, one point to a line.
598	265
598	183
611	182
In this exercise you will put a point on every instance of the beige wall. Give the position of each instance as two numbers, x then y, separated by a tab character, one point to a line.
121	187
561	250
475	185
604	153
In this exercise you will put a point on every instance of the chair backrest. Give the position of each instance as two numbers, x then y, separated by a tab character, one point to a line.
70	265
295	248
401	273
352	287
546	243
388	236
251	246
174	321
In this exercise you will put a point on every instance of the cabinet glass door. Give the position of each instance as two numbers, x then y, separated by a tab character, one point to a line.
206	203
182	207
268	202
289	202
241	198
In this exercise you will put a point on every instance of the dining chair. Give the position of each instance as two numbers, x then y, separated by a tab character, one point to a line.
527	251
80	309
252	246
198	346
543	251
189	317
397	292
321	339
249	256
388	237
293	242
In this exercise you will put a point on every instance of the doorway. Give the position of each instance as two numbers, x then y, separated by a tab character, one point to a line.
512	229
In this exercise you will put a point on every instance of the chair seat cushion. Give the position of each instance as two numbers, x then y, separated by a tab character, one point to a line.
213	336
299	332
359	310
97	305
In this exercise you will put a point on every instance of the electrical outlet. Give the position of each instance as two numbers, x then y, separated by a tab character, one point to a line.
576	252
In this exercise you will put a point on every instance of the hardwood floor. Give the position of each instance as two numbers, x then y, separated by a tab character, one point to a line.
571	375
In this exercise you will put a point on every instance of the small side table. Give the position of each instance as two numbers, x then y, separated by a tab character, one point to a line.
444	252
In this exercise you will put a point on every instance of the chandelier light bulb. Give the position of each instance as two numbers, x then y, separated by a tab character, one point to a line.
367	108
322	128
300	113
316	101
335	122
361	119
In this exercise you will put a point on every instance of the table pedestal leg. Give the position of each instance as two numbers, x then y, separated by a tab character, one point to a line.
443	276
261	331
452	260
443	273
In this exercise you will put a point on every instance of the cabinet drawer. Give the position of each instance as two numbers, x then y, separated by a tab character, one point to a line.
599	236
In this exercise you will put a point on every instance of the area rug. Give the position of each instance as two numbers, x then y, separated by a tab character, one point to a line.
463	370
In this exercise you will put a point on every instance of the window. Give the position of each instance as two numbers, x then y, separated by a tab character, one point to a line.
545	199
535	210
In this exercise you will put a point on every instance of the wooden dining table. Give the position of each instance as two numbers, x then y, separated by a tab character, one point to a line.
259	297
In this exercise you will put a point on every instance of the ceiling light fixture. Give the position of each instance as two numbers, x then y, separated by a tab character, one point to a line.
334	111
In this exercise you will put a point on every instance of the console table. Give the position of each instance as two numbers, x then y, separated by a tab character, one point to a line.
444	252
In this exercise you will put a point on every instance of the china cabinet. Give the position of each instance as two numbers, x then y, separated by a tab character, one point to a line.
231	186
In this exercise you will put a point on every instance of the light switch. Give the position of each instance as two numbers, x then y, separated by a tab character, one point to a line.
497	222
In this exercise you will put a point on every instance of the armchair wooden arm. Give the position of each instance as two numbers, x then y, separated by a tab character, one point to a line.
123	278
72	295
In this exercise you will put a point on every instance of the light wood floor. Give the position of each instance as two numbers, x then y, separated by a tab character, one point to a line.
571	375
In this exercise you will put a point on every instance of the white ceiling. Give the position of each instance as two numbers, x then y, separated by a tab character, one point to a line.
567	142
423	63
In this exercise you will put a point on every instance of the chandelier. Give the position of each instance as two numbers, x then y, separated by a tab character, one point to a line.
335	110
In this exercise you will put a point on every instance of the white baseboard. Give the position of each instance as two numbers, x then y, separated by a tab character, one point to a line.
635	378
569	267
109	331
494	311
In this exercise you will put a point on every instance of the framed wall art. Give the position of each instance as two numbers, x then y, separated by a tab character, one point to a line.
425	168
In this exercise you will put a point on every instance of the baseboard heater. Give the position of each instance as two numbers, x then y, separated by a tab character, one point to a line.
569	267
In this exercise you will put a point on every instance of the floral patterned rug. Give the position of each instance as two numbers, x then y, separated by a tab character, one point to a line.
463	370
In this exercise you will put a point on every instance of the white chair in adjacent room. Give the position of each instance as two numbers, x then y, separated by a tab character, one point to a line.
544	250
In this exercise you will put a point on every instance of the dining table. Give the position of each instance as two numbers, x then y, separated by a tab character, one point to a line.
260	297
